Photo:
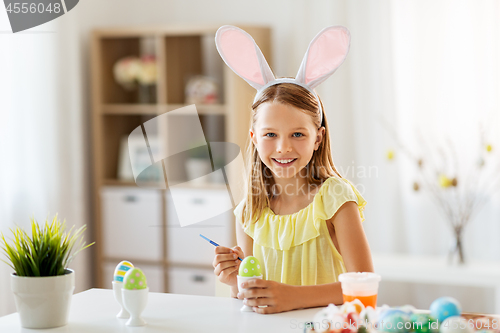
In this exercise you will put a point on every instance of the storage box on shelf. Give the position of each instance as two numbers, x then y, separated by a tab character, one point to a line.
140	224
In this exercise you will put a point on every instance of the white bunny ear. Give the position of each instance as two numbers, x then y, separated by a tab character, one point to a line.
239	51
326	52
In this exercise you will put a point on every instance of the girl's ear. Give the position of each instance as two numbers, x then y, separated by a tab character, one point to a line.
252	136
239	51
319	137
326	52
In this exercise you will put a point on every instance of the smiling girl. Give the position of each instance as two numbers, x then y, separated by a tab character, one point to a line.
299	218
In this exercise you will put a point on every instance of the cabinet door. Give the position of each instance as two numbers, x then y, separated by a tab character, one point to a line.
191	281
132	223
184	244
154	276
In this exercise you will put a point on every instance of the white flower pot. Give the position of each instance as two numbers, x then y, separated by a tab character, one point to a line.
43	302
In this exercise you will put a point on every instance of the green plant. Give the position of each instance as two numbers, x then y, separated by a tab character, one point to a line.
47	252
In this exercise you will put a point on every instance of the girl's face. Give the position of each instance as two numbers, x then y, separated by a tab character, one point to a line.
285	138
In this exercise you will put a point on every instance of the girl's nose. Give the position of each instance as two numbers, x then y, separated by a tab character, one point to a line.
283	146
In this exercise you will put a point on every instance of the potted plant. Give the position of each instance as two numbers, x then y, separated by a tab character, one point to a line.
42	282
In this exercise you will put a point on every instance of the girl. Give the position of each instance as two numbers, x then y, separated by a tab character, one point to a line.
299	218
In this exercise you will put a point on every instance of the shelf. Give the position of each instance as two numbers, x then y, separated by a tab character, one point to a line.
182	52
430	269
177	30
131	183
161	262
136	261
157	109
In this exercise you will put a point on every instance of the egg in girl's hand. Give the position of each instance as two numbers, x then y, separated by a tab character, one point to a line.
249	267
121	269
135	280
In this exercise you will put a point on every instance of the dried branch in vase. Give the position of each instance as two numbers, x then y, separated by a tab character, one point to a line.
460	195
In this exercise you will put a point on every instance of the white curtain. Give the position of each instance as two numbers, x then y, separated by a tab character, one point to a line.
42	164
447	79
432	68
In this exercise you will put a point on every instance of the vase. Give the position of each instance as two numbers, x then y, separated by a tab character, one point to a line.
456	254
146	94
43	302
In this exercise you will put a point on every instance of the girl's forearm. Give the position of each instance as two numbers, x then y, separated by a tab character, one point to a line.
318	295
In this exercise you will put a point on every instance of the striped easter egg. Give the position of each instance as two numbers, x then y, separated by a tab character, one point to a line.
120	270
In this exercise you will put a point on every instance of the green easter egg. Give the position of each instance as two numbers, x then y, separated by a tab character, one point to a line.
423	323
135	279
249	267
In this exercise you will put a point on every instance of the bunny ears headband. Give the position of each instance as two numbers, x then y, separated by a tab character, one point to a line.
326	52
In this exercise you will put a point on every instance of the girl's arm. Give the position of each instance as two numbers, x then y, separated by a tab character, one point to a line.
245	242
352	240
355	251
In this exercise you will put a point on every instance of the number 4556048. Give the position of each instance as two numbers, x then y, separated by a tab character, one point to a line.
26	7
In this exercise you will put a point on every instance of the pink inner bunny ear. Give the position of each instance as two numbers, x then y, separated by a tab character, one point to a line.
243	56
326	52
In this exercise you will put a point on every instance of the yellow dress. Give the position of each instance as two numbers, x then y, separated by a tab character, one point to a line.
297	249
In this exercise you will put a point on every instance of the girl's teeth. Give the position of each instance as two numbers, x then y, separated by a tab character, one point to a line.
285	161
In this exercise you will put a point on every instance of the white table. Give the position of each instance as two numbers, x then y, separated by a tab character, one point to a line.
95	311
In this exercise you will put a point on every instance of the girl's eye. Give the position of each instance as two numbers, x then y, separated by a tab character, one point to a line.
270	135
297	134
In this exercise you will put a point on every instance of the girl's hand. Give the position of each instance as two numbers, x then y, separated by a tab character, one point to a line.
226	264
278	297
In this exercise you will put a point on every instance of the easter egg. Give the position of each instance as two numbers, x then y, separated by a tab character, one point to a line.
455	324
396	321
135	280
423	323
445	307
121	269
353	306
390	311
249	267
323	318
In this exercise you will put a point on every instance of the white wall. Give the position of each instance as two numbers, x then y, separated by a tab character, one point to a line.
349	109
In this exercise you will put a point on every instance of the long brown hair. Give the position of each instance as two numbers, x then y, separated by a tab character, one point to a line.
260	181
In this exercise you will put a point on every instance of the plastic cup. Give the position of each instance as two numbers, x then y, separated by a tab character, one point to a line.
360	285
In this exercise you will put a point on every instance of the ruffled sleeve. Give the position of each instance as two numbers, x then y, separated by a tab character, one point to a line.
238	212
335	193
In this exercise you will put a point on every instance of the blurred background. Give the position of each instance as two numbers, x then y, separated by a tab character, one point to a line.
413	114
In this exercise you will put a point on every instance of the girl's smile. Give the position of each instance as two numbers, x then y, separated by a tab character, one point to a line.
285	138
284	162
